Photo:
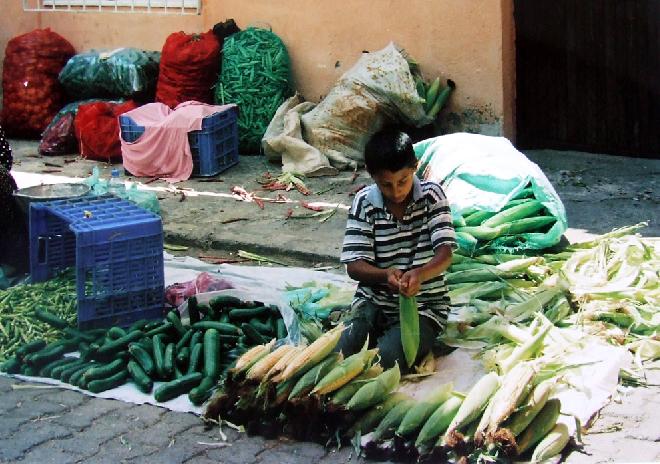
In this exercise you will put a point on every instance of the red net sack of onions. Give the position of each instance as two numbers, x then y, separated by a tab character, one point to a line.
32	93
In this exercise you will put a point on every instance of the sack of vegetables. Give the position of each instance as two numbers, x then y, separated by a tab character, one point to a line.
97	129
188	68
31	91
123	72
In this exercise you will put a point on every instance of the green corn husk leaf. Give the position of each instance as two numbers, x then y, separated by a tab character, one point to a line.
345	393
418	414
306	382
373	416
375	390
392	419
438	421
409	318
544	421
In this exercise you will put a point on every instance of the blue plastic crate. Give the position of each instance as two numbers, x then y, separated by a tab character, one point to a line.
116	248
214	148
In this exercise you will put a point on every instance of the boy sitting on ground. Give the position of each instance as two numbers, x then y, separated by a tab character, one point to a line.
399	239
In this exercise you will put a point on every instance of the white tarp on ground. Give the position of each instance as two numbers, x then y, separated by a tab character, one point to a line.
583	391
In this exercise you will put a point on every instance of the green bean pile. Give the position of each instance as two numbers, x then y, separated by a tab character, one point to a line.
255	75
18	325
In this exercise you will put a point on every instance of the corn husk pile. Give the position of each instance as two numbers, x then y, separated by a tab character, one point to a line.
522	316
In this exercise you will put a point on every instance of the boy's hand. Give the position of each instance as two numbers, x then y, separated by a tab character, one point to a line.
410	283
393	278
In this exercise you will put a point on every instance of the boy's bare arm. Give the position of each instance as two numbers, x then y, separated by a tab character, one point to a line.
413	279
369	274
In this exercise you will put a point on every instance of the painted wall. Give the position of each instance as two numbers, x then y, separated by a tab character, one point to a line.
470	42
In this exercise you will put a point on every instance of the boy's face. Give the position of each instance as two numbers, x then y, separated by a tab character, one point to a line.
395	186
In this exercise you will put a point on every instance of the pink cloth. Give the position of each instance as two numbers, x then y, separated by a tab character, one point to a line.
163	150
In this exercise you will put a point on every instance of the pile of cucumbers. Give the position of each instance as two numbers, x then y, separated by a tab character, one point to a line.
188	357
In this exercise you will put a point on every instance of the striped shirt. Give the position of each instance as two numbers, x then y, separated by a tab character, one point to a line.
374	235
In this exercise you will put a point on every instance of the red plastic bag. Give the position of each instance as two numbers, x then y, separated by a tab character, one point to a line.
59	138
32	94
189	66
176	294
97	129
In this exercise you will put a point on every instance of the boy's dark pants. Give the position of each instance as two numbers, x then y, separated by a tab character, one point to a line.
367	320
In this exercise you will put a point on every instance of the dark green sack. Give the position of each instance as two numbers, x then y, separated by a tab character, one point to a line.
256	75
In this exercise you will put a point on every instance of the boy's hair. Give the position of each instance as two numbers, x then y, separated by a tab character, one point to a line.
389	150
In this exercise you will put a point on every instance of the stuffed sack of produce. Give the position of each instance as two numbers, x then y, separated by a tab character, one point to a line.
188	68
32	94
256	75
124	72
59	137
97	129
377	90
501	201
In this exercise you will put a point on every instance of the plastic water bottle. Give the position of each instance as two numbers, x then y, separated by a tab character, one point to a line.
116	184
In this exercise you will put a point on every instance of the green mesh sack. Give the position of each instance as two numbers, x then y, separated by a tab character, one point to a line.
256	75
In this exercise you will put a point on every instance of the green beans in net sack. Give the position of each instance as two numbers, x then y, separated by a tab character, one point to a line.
256	75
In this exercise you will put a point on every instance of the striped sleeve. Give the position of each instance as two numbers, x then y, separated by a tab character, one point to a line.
359	235
440	221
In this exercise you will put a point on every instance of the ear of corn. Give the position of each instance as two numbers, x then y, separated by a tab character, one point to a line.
534	304
432	93
478	217
475	401
520	211
284	361
344	372
527	349
552	444
529	224
373	416
438	421
311	355
345	393
515	387
535	401
409	319
392	419
252	355
306	382
375	390
262	366
418	414
544	421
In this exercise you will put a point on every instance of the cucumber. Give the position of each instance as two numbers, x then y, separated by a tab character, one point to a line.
182	357
229	339
253	335
29	370
47	355
139	325
115	333
159	353
280	330
140	377
211	353
72	333
196	356
193	310
244	314
104	370
71	369
48	368
161	328
31	347
168	361
114	381
221	327
264	328
195	339
57	371
201	392
174	388
50	319
185	340
11	366
142	357
151	325
120	343
174	319
221	302
77	376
